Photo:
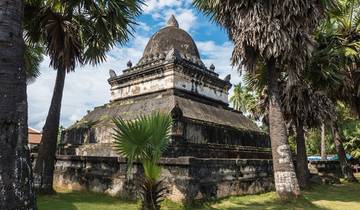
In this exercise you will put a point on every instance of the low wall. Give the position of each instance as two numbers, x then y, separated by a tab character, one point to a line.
330	168
188	178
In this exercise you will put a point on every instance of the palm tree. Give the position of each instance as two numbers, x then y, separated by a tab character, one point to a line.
16	191
144	140
302	107
336	61
242	99
305	108
74	32
323	142
335	65
277	33
346	23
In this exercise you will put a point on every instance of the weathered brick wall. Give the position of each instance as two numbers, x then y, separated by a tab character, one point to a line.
187	178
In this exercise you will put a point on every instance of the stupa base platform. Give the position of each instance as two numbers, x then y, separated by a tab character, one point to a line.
187	178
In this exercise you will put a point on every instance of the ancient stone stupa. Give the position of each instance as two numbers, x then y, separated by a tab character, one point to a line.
215	151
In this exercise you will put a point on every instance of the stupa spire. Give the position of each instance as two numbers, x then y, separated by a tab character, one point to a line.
172	22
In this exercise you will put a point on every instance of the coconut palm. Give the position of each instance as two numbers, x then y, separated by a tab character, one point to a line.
74	32
277	33
144	140
242	99
16	191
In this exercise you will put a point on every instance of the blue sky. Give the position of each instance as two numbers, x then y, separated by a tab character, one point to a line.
87	87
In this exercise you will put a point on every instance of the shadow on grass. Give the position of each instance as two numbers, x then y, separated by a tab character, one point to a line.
78	200
55	202
348	192
333	197
263	201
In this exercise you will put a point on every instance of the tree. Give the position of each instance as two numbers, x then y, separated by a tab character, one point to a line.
336	63
346	24
350	129
74	32
144	140
333	68
323	142
277	33
242	99
338	141
16	191
305	108
302	107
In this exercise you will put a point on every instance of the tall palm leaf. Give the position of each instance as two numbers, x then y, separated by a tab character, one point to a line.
74	32
131	138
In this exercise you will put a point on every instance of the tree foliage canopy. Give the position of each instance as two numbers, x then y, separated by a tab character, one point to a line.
262	30
79	31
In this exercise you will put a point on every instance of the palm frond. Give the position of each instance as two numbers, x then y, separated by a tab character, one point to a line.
131	138
33	56
160	125
151	169
143	139
79	32
257	36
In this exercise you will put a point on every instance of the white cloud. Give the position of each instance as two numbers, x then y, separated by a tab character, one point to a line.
161	10
84	89
142	26
87	87
157	5
185	17
219	55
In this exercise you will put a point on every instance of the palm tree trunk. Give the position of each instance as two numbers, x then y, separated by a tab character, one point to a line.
357	104
323	142
286	183
44	168
346	169
16	184
302	170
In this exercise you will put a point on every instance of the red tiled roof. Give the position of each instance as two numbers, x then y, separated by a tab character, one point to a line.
34	136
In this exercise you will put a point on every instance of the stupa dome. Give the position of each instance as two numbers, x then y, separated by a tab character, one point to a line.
168	38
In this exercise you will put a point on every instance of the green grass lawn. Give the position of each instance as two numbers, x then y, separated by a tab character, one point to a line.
344	196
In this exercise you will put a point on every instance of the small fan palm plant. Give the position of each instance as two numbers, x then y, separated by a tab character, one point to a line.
144	140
